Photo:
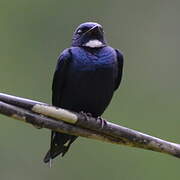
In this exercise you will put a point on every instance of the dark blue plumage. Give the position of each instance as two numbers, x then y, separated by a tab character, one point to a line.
86	76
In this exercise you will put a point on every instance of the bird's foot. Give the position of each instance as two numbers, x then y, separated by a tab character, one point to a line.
85	114
102	122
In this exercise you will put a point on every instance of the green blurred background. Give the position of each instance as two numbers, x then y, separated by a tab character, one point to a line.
34	32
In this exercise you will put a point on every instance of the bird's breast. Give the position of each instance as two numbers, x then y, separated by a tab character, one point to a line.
84	60
90	80
89	90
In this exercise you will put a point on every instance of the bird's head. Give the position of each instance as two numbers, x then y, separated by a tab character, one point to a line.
89	34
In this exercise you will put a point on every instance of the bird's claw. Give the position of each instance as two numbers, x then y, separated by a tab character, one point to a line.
85	114
102	122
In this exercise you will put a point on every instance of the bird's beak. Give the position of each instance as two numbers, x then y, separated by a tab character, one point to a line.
95	31
95	37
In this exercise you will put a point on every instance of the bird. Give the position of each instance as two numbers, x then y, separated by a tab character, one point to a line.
85	78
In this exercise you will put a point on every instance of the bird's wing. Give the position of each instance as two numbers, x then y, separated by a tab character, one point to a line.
58	140
60	76
119	69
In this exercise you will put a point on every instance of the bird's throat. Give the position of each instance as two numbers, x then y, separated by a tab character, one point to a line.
94	44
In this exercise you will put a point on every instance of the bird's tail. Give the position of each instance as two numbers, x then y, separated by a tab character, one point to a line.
60	144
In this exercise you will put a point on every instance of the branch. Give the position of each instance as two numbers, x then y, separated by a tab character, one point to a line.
41	121
80	124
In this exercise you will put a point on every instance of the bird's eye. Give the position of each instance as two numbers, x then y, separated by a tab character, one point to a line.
82	30
79	31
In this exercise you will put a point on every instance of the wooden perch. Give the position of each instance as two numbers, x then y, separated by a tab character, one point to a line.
80	124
